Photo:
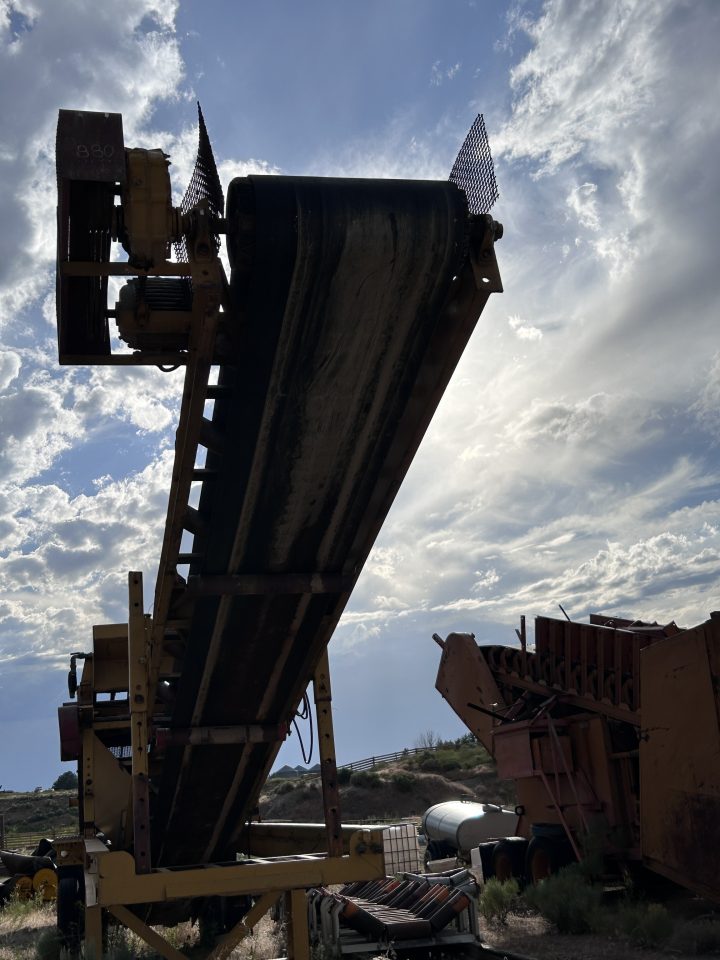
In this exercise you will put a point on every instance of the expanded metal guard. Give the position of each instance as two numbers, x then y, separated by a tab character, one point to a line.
204	184
473	170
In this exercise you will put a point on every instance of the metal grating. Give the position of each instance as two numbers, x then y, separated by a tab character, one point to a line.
473	170
204	184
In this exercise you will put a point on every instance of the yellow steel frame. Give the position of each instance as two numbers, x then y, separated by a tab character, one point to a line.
117	880
112	882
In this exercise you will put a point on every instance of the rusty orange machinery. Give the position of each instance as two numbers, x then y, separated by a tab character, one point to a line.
611	733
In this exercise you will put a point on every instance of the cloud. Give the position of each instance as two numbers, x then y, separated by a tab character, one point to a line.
9	368
583	202
524	331
82	56
440	73
66	558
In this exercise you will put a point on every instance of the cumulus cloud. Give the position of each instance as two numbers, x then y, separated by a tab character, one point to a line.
65	558
106	62
9	368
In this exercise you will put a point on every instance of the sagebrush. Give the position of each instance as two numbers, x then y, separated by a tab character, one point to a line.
567	900
497	899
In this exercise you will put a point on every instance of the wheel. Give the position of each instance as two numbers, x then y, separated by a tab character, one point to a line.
508	858
45	884
439	850
70	913
23	888
545	856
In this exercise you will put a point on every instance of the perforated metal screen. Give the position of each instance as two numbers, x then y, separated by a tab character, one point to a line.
204	183
473	169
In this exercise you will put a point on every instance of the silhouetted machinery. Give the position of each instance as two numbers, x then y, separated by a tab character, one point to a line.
611	732
310	379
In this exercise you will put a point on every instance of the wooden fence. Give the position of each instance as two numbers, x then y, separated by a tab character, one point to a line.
14	841
370	763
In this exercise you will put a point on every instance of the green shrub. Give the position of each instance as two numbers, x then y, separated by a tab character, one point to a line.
450	762
403	782
429	764
344	776
567	900
48	946
366	779
286	787
497	899
646	924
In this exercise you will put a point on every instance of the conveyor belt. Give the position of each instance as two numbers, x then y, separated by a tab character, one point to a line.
352	301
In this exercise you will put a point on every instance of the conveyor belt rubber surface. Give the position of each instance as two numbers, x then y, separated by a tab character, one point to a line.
352	303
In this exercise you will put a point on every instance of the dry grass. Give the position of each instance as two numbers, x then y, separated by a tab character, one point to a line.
26	933
22	923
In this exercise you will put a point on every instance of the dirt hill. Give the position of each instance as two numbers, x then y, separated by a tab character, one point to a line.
44	811
403	789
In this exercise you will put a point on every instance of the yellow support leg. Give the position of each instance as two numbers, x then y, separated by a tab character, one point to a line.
241	929
93	933
298	934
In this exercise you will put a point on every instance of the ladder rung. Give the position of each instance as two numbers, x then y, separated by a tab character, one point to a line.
202	473
216	390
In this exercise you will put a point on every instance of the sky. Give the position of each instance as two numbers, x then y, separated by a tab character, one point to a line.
574	458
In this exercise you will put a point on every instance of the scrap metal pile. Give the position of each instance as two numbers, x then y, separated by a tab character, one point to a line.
406	907
611	732
33	875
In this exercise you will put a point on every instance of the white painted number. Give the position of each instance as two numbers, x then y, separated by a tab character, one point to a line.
96	151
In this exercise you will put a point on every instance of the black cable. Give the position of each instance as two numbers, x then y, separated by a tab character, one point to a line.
305	714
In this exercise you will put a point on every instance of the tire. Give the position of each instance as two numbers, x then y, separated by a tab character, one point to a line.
545	856
509	858
70	913
438	850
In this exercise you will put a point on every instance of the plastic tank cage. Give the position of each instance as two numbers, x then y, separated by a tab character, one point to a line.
400	846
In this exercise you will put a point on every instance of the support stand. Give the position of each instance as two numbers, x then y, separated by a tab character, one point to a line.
138	666
116	880
328	765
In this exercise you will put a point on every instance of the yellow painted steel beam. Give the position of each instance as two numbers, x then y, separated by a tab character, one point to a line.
241	929
146	933
93	931
121	268
328	765
298	935
118	881
88	782
138	666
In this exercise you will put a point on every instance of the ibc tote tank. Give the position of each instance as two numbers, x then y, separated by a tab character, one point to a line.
465	823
